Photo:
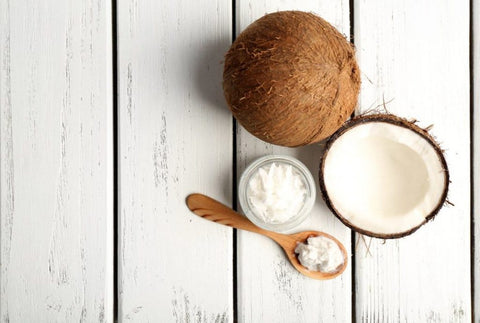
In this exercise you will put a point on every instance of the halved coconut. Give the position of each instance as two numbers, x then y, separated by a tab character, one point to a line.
383	176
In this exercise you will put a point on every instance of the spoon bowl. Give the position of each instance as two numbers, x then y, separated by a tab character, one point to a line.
215	211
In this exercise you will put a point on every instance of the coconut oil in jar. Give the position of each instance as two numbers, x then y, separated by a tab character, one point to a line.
277	192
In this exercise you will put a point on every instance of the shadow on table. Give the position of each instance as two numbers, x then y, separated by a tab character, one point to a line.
208	72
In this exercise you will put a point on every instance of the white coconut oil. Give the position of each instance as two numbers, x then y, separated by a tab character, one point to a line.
320	254
276	193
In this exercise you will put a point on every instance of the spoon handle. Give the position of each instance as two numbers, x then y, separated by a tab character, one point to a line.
215	211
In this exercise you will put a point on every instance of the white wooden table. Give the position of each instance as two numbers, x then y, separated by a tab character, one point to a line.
113	112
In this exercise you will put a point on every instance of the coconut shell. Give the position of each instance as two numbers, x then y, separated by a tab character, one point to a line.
291	78
401	122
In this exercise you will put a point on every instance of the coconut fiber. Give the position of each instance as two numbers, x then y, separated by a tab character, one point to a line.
291	78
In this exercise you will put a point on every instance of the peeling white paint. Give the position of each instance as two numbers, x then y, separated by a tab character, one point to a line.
56	213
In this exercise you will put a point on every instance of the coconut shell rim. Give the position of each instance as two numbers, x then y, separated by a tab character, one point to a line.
398	121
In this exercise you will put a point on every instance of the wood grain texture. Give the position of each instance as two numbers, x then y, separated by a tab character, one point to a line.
414	55
55	159
269	288
476	156
175	139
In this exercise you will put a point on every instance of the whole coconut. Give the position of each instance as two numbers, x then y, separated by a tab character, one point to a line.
291	78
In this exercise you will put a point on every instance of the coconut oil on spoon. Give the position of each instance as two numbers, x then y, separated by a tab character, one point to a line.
310	245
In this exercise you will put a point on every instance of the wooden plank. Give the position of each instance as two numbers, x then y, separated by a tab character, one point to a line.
269	288
476	157
56	161
417	55
175	139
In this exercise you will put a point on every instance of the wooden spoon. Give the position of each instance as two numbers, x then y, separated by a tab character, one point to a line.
215	211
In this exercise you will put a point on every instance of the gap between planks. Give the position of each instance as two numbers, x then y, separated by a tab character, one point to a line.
115	158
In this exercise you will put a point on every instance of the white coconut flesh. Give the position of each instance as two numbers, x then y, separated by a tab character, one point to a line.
383	178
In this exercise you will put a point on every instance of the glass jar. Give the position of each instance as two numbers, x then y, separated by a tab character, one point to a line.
306	178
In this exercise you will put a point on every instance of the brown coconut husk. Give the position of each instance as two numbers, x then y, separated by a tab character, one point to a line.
291	78
392	119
